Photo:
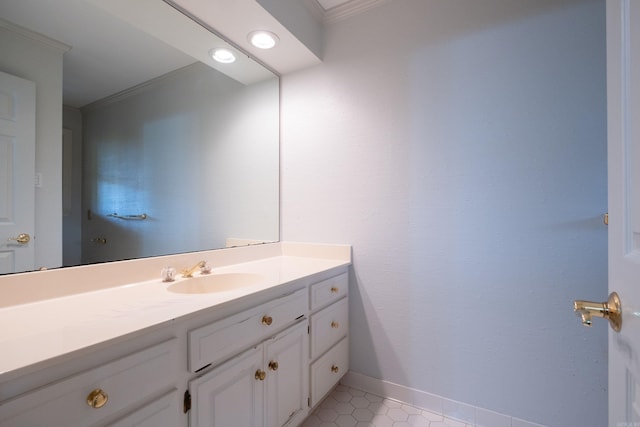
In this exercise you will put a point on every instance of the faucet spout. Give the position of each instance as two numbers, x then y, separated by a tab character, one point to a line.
188	272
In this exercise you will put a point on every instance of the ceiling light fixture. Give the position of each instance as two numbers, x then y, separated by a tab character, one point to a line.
222	55
263	39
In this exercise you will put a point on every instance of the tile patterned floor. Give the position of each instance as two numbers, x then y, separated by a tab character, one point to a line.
348	407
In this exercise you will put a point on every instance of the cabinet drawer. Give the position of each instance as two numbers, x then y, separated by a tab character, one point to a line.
328	291
127	381
328	326
162	412
327	371
218	341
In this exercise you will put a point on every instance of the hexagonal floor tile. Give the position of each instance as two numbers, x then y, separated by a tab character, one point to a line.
349	407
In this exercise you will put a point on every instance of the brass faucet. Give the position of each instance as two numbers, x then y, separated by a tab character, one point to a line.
188	272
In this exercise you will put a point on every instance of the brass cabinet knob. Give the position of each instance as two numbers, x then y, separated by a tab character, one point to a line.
267	320
610	309
23	238
260	375
334	369
273	365
97	398
334	290
335	325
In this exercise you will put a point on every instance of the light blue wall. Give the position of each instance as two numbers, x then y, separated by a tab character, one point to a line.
460	146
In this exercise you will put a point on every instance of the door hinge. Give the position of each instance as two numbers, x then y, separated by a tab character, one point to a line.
186	405
308	329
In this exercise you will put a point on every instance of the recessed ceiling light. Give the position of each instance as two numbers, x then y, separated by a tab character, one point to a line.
223	55
263	39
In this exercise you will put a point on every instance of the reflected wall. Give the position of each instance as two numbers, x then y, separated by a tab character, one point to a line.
194	151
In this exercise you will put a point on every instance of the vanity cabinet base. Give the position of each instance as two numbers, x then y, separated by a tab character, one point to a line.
263	361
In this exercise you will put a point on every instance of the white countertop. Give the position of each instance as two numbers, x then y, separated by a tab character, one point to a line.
38	331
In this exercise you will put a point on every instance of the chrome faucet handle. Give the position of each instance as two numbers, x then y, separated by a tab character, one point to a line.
168	274
206	268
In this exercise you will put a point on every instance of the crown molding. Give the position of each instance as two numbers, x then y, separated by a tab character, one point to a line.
343	11
137	89
32	35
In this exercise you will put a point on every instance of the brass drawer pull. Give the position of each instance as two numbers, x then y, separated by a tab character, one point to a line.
334	369
334	290
273	365
335	325
97	399
267	320
260	375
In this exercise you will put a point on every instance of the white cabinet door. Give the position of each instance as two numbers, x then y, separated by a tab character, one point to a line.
17	172
266	385
286	362
231	395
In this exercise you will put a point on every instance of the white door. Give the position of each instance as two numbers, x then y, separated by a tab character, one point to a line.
17	171
623	93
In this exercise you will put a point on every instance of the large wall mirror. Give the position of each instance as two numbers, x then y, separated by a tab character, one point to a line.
164	150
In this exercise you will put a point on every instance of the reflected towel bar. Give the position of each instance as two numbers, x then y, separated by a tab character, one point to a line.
129	217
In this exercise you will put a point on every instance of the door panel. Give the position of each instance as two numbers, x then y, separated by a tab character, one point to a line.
17	171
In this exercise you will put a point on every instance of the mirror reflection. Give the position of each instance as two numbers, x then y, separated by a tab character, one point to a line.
163	150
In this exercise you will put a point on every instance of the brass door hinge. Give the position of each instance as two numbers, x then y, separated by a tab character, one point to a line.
186	404
605	218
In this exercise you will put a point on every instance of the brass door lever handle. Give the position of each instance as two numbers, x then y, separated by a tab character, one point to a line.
23	238
611	309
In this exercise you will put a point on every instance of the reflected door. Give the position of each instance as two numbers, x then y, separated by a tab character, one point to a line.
17	171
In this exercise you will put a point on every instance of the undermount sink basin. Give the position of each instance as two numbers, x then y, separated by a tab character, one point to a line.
214	283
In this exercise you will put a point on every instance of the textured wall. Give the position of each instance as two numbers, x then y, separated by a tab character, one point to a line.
460	146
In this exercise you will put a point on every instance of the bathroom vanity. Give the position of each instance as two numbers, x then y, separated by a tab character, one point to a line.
258	342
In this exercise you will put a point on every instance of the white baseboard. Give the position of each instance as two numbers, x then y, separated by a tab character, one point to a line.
468	414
